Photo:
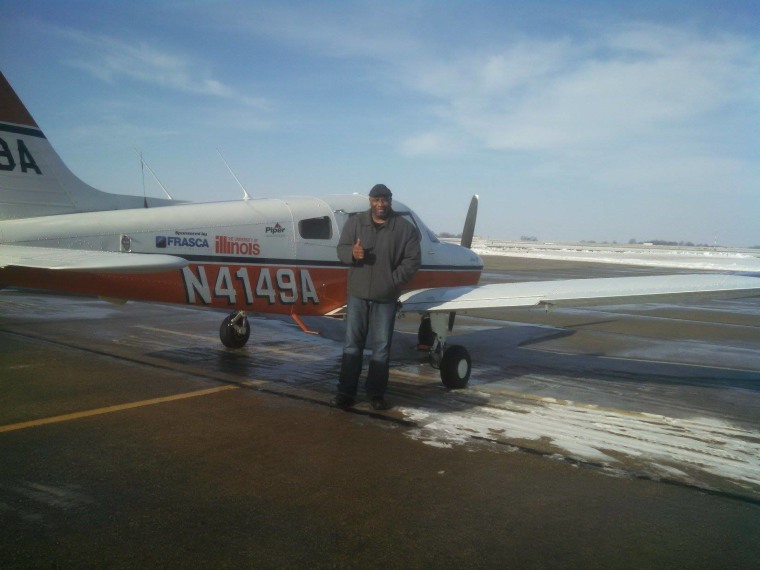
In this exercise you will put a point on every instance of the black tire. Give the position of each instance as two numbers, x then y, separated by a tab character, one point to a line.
230	337
425	335
456	366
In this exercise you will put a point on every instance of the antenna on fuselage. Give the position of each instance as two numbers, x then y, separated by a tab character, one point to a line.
246	196
142	171
144	165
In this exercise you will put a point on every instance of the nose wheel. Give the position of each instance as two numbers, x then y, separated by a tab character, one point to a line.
235	330
456	366
453	361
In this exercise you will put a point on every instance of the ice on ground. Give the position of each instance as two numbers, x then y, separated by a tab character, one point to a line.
694	451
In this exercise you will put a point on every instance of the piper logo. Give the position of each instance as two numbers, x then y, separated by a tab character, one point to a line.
277	229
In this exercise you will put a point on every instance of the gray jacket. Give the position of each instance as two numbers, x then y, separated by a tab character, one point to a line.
392	256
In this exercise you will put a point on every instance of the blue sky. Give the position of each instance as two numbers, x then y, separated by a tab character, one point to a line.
590	120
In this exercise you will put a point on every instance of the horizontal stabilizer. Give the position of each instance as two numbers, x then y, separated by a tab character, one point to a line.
578	292
86	261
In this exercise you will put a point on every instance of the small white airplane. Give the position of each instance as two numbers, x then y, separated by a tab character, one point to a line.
273	255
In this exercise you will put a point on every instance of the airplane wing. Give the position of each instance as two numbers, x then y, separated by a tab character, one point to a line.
578	292
86	261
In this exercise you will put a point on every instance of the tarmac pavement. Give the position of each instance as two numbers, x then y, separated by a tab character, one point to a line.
130	438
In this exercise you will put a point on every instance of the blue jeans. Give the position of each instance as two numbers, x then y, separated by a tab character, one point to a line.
373	321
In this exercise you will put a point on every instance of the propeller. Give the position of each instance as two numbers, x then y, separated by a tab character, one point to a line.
467	234
469	223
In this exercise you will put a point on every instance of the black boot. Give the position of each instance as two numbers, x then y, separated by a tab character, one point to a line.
350	369
377	383
341	401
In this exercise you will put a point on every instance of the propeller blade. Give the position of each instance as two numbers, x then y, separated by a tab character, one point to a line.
469	223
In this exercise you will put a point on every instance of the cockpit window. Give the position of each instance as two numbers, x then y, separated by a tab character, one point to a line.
315	228
341	217
431	235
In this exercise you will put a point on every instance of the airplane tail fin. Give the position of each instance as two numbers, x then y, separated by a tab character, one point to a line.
34	181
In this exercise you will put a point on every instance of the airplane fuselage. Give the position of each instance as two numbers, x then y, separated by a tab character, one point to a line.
263	255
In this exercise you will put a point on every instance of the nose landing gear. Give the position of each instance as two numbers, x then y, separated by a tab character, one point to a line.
235	330
453	361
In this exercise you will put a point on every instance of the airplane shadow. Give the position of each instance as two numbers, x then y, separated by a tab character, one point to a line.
513	350
518	359
519	347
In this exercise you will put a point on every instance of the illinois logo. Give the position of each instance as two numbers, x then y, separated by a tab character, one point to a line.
236	246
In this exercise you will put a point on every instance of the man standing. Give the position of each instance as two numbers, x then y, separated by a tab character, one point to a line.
383	250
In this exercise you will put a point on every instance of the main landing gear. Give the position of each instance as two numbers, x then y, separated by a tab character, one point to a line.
453	361
235	330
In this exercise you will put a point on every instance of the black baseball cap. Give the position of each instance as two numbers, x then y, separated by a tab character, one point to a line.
380	191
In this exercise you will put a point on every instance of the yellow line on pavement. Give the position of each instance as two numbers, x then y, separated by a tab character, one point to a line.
117	408
178	333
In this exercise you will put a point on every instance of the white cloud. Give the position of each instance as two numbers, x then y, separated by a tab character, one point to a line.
108	59
429	143
530	93
546	95
374	31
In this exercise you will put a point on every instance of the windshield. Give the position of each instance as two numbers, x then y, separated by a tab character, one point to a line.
341	216
421	227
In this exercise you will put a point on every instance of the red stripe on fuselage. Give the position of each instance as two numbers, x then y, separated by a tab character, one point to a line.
308	291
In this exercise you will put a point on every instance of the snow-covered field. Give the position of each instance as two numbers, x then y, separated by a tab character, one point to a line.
718	259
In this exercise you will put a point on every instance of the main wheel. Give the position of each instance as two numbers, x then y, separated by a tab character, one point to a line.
455	367
232	334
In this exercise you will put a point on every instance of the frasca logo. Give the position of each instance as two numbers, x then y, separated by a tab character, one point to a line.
176	241
236	246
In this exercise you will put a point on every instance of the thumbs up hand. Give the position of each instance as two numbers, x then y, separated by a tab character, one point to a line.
358	251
